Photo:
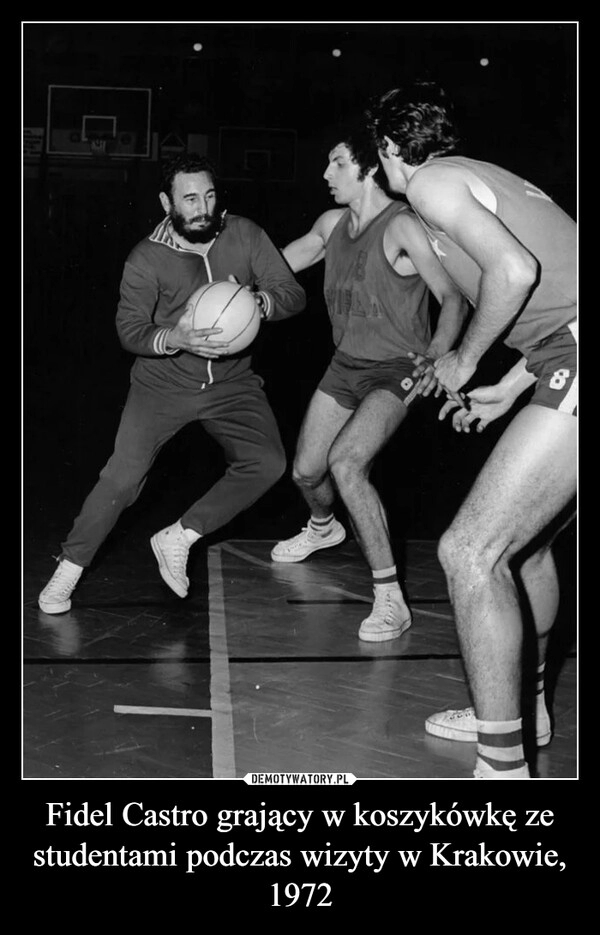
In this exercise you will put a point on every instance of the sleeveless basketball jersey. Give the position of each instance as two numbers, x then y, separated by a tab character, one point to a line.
375	313
543	228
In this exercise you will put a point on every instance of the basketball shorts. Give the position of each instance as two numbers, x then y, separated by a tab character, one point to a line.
349	379
554	362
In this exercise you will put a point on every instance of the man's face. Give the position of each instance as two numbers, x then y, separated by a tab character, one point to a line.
193	207
342	175
392	166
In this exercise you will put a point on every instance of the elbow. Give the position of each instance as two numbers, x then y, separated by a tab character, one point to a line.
292	305
298	304
522	274
125	344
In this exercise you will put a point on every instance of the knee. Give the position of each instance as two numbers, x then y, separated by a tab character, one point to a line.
447	552
344	468
124	478
475	555
305	476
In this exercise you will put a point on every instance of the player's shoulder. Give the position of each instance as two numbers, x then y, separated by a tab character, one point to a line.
403	222
436	178
236	222
332	214
401	213
143	251
328	220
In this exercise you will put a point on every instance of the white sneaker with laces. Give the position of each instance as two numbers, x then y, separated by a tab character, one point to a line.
171	548
306	542
462	725
389	618
56	596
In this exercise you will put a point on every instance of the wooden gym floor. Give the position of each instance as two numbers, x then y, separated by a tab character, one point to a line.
260	669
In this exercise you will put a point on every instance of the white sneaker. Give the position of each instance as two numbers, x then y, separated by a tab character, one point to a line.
462	725
306	542
388	619
171	548
56	596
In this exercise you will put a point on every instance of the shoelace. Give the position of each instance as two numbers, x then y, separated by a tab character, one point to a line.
383	605
306	532
459	715
63	581
178	552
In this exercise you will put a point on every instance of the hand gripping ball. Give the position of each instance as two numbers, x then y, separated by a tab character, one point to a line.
229	306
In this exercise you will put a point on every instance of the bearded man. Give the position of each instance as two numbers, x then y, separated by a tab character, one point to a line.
181	375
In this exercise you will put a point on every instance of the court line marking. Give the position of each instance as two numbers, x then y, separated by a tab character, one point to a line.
233	660
154	709
326	587
223	750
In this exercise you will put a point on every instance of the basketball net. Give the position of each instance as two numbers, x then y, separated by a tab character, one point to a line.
98	148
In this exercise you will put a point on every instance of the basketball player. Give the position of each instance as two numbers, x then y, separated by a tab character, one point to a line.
512	252
182	375
378	265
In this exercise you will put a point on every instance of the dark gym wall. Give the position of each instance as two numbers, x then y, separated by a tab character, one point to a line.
81	220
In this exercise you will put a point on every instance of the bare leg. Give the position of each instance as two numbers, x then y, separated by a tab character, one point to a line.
528	479
323	420
539	578
350	460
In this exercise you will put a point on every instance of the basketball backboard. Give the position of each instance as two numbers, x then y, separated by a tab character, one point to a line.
80	117
247	153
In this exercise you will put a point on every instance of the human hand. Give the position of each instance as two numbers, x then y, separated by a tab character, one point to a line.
424	374
452	373
196	340
259	297
486	403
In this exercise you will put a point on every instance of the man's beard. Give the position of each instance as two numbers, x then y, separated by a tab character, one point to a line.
203	235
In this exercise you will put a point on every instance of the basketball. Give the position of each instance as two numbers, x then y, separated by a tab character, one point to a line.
229	306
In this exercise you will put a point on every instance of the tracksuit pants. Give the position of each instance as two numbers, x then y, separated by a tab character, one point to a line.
235	413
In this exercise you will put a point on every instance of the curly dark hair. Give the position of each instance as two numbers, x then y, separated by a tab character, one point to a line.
417	118
362	148
186	163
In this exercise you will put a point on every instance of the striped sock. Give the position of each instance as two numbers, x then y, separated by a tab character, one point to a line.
500	750
322	527
388	576
542	718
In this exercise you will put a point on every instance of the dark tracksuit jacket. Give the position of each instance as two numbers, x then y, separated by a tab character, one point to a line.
171	388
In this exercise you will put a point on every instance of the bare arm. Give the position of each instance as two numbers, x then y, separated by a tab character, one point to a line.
310	249
405	233
508	270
